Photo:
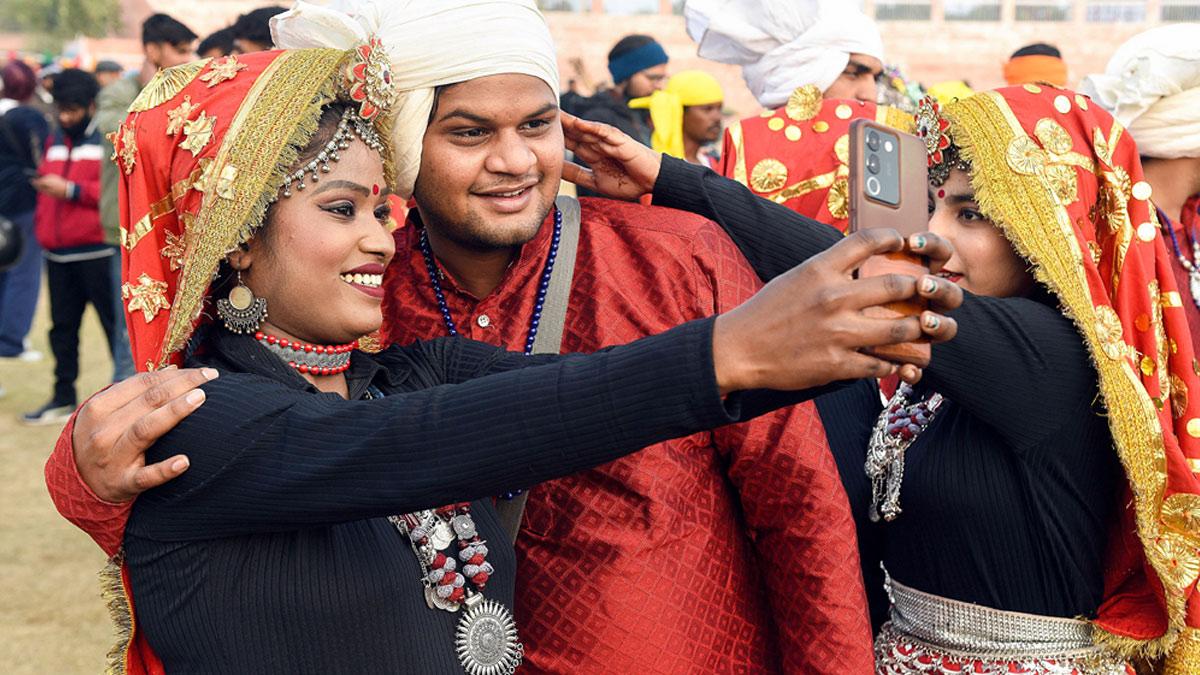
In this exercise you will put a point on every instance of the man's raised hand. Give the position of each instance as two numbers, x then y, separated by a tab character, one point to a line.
620	167
114	429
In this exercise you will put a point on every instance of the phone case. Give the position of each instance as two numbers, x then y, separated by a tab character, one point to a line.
909	216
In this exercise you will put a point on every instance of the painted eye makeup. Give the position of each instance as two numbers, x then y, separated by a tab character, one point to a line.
343	209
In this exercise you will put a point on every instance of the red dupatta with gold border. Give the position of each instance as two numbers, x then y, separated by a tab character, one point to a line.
1064	182
202	155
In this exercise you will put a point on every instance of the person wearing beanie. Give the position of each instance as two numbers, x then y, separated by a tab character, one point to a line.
108	72
1038	63
686	116
638	66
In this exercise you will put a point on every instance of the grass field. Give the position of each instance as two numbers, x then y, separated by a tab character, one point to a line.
52	618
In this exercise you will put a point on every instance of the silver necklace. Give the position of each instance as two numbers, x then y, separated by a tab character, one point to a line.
897	427
486	639
1191	266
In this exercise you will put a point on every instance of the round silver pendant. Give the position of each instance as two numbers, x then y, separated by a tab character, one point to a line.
487	641
463	526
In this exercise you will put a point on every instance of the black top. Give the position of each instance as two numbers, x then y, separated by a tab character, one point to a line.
23	132
272	552
1009	495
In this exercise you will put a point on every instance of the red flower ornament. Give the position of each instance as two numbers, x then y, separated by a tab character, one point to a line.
931	128
369	79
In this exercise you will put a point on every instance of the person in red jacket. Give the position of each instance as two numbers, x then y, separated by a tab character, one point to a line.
78	262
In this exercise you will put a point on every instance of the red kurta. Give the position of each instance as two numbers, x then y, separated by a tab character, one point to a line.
730	551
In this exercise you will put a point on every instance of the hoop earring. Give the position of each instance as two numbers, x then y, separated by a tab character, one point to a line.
241	312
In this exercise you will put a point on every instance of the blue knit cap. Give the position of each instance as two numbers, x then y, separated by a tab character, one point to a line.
635	61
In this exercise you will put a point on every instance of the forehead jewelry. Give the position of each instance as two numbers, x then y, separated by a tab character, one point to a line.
348	127
934	130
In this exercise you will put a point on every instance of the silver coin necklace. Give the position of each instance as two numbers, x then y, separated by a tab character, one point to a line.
486	639
901	421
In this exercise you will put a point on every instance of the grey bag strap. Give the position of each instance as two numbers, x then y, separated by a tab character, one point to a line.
550	331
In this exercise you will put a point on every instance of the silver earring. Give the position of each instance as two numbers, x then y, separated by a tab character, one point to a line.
241	312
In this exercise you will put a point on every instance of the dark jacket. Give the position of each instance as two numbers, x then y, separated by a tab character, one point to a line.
607	108
23	132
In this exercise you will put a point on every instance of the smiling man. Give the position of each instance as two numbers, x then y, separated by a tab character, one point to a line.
716	552
720	552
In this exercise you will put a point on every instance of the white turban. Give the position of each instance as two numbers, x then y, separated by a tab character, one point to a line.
782	44
430	44
1152	86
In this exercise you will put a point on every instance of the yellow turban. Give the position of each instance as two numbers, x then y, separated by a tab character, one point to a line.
948	92
684	89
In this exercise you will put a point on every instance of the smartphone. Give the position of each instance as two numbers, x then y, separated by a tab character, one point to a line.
889	188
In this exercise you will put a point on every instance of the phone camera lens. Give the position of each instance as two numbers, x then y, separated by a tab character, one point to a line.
872	140
873	163
873	186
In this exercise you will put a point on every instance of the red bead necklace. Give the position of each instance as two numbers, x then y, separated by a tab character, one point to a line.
431	534
309	359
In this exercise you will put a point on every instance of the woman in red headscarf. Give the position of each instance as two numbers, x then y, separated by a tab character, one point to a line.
1035	499
325	523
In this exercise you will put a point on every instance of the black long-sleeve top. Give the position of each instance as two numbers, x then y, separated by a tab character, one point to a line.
1009	494
272	552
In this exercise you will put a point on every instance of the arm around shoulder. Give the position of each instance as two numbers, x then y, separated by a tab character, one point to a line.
102	520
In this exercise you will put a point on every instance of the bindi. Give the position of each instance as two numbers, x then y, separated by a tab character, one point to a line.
941	194
374	189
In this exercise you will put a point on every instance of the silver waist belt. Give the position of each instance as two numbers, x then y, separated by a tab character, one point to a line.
974	629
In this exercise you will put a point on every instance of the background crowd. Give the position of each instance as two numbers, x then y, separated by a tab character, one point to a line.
60	190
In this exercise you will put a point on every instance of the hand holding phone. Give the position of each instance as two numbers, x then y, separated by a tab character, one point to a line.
889	189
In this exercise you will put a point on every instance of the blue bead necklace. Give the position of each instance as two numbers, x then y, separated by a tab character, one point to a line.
534	321
1192	266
